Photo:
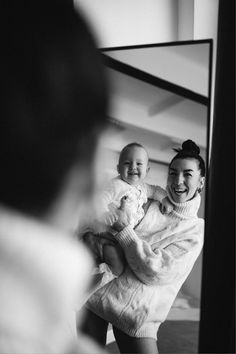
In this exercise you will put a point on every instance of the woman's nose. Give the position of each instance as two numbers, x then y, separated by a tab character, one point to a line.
179	179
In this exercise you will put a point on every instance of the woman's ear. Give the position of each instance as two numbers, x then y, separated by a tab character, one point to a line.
118	169
202	181
201	184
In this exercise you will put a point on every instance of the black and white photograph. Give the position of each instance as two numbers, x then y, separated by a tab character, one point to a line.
117	184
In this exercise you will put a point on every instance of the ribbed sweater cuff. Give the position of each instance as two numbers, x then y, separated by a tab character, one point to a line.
126	236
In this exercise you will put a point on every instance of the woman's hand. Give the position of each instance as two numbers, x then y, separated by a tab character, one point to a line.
166	206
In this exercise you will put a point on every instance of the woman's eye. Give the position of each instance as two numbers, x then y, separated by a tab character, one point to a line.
188	175
172	174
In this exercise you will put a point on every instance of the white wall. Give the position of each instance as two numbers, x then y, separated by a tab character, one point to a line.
130	22
205	19
206	26
185	19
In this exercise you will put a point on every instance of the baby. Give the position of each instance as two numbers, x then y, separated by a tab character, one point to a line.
126	190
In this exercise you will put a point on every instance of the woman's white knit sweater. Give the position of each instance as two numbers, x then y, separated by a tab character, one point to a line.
160	254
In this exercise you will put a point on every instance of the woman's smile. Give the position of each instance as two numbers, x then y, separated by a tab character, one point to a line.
179	191
184	179
179	194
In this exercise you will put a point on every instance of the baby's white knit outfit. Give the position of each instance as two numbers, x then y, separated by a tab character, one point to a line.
136	196
160	254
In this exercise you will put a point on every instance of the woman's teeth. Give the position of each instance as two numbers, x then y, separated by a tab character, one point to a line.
177	191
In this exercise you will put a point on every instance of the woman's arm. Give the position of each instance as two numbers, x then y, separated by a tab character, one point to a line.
159	194
155	192
161	262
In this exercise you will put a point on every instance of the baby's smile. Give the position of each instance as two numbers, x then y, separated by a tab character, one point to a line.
133	173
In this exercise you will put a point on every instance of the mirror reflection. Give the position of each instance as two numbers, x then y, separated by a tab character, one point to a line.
159	99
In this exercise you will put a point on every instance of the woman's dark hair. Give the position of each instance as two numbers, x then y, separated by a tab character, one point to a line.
54	101
190	150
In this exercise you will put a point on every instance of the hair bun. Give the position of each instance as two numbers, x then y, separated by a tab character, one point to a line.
190	146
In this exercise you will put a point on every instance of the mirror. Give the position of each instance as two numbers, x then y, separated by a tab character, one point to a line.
160	96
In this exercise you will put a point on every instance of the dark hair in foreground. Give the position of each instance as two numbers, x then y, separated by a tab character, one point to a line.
54	100
127	147
190	150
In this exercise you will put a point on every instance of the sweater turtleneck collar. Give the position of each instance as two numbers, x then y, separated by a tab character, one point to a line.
186	210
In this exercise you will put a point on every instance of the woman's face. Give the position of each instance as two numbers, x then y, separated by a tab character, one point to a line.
184	179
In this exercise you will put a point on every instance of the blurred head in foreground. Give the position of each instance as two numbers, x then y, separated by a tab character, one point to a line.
53	106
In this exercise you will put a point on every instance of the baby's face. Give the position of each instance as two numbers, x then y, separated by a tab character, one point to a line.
133	165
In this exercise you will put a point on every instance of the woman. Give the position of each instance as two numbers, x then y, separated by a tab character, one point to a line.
160	254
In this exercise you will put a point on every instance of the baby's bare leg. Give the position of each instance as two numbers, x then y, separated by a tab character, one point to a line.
95	246
114	258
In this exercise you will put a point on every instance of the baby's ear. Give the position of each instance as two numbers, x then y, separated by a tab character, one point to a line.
148	168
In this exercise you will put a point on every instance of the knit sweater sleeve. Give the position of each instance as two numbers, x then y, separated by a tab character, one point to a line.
161	262
155	192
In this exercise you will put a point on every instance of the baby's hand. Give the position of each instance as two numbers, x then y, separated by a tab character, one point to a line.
127	206
124	203
166	206
128	203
